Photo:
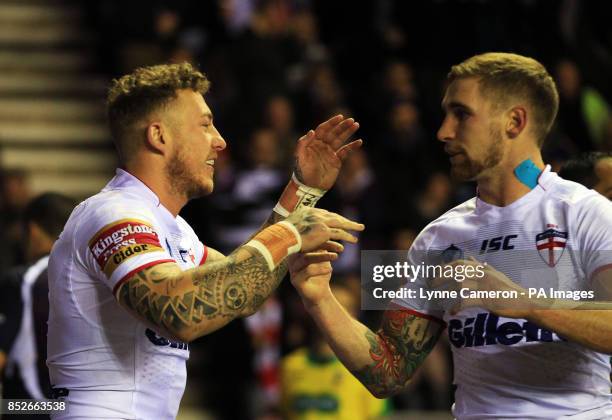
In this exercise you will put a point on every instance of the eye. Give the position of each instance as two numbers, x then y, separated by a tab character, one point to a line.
461	114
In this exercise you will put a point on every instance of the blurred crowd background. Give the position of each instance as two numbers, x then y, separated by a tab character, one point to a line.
278	68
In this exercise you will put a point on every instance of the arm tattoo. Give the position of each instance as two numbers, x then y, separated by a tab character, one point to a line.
224	289
397	350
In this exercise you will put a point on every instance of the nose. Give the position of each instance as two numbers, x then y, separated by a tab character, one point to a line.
218	142
446	132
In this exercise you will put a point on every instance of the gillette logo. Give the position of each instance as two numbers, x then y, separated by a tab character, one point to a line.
485	330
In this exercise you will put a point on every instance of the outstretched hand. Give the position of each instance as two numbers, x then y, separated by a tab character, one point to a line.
319	154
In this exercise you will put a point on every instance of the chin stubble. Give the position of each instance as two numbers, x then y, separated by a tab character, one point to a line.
181	181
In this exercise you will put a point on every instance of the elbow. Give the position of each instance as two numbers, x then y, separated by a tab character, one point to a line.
182	335
388	390
185	336
381	394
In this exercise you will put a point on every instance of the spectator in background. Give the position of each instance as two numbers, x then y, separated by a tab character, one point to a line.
24	301
264	328
357	195
583	111
593	170
14	196
316	385
323	93
255	187
280	119
304	29
403	139
260	57
433	201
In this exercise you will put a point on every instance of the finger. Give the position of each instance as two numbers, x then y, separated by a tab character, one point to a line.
441	283
346	150
341	133
462	262
320	256
334	220
318	269
297	262
307	136
341	235
333	247
324	128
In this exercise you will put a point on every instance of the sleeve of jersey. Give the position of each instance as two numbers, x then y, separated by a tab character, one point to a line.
594	231
418	306
202	253
125	246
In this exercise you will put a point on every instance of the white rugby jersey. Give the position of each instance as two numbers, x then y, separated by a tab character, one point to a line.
511	368
113	365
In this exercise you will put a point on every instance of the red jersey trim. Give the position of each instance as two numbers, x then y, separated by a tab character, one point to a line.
136	270
205	255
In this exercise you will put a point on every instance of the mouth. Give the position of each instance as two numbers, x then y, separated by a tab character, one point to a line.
456	156
211	163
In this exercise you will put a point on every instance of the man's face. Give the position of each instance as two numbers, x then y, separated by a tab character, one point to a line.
603	171
196	144
471	131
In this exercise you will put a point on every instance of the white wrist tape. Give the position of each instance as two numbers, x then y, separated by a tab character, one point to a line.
296	195
277	242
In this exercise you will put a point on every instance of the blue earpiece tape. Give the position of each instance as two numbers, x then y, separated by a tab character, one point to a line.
527	172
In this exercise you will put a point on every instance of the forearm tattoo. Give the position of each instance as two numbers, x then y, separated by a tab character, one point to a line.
224	289
397	350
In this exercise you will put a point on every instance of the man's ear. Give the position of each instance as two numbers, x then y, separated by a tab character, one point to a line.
516	121
155	140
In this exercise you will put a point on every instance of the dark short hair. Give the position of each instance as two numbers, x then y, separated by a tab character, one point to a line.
133	97
582	168
504	75
49	211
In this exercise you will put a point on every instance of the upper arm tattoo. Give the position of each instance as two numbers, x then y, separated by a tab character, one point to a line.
397	350
222	289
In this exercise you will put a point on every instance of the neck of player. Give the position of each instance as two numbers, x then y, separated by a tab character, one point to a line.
499	186
153	176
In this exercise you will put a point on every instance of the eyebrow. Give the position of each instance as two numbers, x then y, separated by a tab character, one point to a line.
207	115
456	105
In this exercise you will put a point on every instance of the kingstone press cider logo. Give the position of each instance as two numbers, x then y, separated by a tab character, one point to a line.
122	240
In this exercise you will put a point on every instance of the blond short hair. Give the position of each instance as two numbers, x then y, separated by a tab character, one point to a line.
133	97
504	76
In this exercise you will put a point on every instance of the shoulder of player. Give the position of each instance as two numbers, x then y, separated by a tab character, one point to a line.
185	226
455	215
106	209
577	197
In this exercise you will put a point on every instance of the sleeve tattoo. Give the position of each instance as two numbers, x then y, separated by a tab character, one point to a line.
397	350
224	289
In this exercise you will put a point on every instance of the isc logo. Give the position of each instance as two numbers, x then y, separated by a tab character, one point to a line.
495	244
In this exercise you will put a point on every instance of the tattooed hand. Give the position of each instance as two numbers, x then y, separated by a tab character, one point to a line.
319	227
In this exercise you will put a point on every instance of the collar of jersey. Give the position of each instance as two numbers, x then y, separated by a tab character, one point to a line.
544	180
123	180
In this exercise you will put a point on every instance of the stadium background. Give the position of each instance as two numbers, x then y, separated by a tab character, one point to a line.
278	67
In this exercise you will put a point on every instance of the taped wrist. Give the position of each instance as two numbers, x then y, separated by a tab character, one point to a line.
277	242
297	195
